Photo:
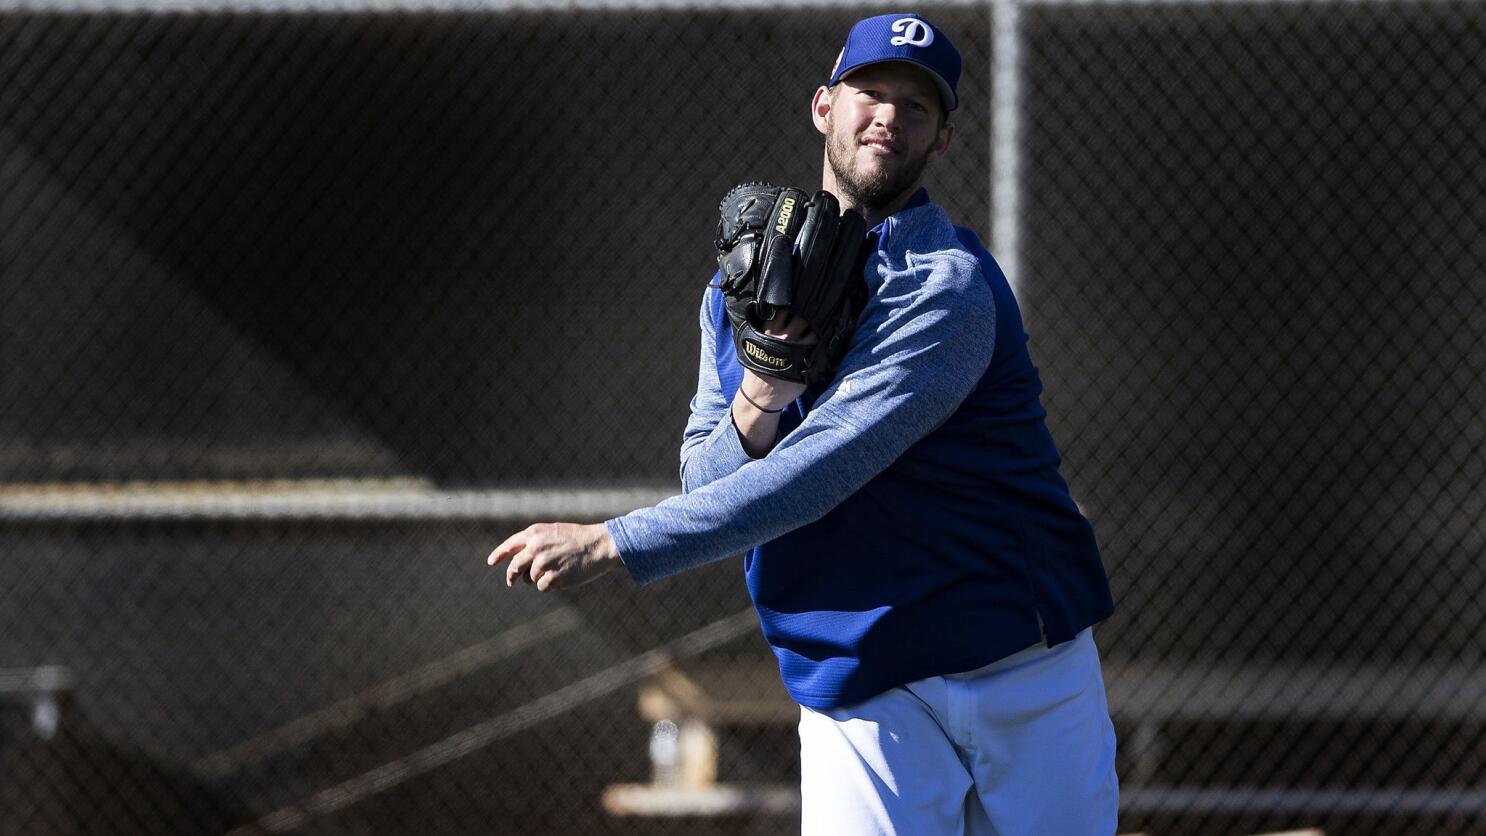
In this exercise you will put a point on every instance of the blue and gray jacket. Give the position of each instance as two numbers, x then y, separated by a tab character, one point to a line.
911	520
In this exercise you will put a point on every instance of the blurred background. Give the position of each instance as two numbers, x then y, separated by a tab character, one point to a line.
304	307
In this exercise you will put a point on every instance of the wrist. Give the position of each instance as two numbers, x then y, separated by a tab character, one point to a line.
767	394
606	549
743	393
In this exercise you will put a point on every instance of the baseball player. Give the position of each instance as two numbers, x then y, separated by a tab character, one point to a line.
926	582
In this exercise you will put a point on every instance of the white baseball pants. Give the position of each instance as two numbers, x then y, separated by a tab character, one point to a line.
1021	747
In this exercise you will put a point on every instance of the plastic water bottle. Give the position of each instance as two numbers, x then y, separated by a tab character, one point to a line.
665	753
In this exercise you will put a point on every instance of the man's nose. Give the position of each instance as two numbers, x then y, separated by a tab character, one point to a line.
885	115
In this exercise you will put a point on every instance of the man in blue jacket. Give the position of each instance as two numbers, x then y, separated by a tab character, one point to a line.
925	580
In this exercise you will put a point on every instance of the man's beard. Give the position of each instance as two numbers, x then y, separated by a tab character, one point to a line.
870	190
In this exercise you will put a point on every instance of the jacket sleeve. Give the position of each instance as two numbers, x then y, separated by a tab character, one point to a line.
924	341
710	447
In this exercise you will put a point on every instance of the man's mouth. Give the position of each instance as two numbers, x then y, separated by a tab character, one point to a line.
881	145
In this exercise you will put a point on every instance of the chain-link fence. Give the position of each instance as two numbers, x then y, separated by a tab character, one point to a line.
302	312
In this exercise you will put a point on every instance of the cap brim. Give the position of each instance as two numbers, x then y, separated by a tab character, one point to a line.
946	95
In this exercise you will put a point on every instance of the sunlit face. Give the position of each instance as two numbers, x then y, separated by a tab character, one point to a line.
883	124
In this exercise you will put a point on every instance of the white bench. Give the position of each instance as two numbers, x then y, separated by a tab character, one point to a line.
686	705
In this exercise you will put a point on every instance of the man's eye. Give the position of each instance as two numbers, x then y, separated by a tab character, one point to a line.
918	106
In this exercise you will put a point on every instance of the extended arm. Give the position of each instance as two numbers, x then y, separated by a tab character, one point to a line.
925	339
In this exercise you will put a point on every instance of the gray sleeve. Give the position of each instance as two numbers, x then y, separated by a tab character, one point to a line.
710	447
925	340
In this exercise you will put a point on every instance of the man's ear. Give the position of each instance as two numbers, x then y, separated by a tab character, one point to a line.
820	109
941	142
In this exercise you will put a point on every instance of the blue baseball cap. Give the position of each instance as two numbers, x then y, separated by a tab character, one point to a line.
902	37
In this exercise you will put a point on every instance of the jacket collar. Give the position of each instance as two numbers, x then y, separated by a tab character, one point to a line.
884	228
920	198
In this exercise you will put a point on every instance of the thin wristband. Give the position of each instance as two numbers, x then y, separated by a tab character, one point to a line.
756	406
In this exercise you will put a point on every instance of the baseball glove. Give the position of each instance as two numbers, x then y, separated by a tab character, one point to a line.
781	249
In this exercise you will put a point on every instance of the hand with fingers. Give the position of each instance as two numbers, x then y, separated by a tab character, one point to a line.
557	555
766	391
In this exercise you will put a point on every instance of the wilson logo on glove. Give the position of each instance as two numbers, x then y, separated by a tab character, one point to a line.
763	356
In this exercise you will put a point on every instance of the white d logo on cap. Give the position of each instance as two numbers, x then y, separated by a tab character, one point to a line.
915	32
